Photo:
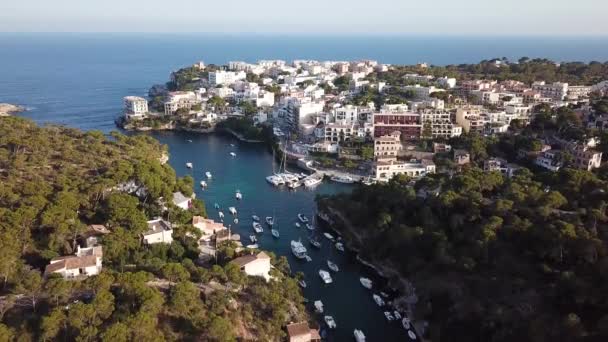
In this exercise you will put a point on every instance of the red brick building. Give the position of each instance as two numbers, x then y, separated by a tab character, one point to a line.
408	123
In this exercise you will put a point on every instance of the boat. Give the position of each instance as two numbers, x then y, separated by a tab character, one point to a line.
221	214
208	174
331	323
310	227
308	258
314	242
258	228
275	233
297	224
269	220
325	276
236	220
389	316
256	218
238	195
254	246
232	210
298	249
231	145
406	323
411	335
318	306
203	184
302	218
340	246
343	179
397	314
253	239
366	282
189	140
312	182
233	154
359	336
332	266
378	300
216	206
189	165
302	283
368	181
384	294
275	180
328	236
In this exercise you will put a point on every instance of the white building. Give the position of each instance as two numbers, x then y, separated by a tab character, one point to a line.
182	201
549	160
86	262
159	231
388	146
255	265
440	124
446	82
557	91
135	107
207	227
222	77
180	99
421	92
387	169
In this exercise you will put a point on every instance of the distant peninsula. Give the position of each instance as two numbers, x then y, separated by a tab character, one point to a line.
7	109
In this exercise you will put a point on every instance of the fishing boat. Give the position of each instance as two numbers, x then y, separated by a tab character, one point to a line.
216	206
343	179
298	249
256	218
232	210
203	184
302	218
378	300
329	236
233	154
312	182
258	228
236	220
318	306
315	243
269	220
189	165
411	335
340	246
208	174
366	282
275	233
220	214
297	224
302	283
238	195
406	323
325	276
253	239
359	336
332	266
331	323
389	316
310	227
254	246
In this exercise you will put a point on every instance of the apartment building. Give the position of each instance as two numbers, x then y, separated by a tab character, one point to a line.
222	77
440	124
135	107
408	123
556	91
388	146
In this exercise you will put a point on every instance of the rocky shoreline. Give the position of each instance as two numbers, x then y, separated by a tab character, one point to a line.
7	109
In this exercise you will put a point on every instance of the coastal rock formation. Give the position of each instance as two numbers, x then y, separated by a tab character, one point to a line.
7	109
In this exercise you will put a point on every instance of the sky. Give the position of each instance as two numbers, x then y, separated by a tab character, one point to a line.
402	17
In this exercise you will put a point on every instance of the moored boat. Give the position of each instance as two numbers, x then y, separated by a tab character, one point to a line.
189	165
378	300
232	210
269	220
389	316
310	227
359	336
298	249
312	182
302	218
331	323
315	243
238	195
366	282
325	276
203	184
236	220
254	246
411	335
332	266
208	174
253	239
297	224
340	246
342	179
258	228
302	283
318	306
233	154
329	236
256	218
216	206
220	214
406	323
275	233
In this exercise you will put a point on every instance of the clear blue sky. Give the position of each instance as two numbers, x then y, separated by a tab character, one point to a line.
454	17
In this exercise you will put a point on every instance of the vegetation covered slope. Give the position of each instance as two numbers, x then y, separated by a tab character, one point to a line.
54	181
492	259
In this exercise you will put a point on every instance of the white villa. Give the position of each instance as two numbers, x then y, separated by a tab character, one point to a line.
255	265
86	262
159	231
181	200
207	227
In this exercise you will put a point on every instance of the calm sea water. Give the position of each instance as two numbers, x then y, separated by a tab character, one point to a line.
79	80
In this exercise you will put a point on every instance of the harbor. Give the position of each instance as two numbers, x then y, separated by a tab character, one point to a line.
346	302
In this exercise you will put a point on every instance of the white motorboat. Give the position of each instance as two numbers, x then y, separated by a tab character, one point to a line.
208	174
314	242
216	206
203	184
231	145
275	180
297	224
302	218
238	195
318	306
189	165
310	227
253	239
329	236
189	140
275	233
302	283
236	220
411	335
220	214
293	185
366	282
406	323
397	314
378	300
359	336
389	316
343	179
298	249
312	182
258	228
331	323
256	218
254	246
233	154
308	258
232	210
325	276
269	220
340	246
332	266
384	294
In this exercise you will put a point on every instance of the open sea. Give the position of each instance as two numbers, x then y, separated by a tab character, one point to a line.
79	80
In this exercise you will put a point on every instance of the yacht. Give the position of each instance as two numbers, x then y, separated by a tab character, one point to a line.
258	228
310	227
275	233
342	179
208	174
366	282
298	249
331	323
406	323
359	336
253	239
302	218
411	335
315	243
329	236
318	306
238	195
189	165
378	300
297	224
233	154
312	182
232	210
325	276
269	220
340	246
389	316
256	218
332	266
302	283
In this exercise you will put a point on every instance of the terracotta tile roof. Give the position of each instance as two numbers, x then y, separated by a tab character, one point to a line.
298	329
70	263
244	260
